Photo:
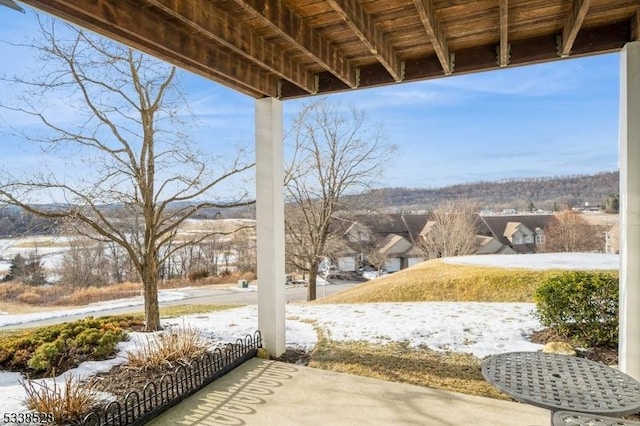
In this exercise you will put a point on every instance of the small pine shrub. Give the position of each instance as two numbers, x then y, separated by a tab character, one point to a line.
581	305
46	355
64	346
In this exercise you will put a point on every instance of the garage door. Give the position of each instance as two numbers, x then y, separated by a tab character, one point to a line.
414	261
392	265
347	264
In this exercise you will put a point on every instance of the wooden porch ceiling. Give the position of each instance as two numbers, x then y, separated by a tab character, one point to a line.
294	48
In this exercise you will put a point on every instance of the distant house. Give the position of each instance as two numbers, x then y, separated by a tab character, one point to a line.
612	240
393	240
514	233
490	245
399	253
388	237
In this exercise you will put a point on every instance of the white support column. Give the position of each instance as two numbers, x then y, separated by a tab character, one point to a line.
270	224
629	347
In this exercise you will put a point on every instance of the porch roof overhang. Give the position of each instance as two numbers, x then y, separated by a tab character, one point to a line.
296	48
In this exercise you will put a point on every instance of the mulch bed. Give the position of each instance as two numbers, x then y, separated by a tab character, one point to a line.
295	356
604	354
121	380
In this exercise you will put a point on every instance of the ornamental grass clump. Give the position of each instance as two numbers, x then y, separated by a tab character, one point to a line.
582	306
169	348
67	403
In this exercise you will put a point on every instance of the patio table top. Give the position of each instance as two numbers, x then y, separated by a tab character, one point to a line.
561	382
569	418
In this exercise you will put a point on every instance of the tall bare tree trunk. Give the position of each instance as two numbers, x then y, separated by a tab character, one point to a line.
151	305
313	279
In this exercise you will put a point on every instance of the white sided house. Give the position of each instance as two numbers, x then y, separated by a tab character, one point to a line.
384	240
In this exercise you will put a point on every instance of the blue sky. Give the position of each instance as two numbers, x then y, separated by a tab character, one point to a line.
551	119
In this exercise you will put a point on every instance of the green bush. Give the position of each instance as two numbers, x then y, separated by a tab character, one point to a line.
45	355
582	306
64	346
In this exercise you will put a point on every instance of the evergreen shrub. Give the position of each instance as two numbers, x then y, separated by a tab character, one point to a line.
581	305
64	346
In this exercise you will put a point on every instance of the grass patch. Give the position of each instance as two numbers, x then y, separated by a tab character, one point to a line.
60	295
18	297
230	278
182	310
436	280
397	362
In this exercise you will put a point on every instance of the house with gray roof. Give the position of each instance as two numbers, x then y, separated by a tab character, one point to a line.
389	240
518	234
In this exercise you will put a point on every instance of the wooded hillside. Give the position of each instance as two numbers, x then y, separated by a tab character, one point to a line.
548	193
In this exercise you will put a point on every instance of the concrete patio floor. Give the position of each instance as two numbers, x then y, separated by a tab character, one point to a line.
264	392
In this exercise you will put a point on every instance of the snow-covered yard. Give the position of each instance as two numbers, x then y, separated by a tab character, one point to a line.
478	328
542	261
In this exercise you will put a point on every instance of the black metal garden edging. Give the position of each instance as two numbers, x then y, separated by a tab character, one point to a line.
174	387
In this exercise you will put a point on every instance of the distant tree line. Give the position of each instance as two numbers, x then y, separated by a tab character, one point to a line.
16	222
91	263
549	193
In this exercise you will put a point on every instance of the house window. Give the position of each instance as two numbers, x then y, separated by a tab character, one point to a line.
539	239
517	239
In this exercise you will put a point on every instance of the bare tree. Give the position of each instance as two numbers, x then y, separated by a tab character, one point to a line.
145	176
570	232
451	230
372	253
364	237
121	267
334	153
244	242
85	264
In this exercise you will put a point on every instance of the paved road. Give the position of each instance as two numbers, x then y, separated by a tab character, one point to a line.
211	295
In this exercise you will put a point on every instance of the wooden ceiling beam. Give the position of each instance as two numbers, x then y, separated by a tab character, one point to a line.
125	21
431	24
635	26
363	26
203	17
574	21
602	39
503	49
289	25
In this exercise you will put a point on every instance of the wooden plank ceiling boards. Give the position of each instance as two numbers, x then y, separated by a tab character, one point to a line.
294	48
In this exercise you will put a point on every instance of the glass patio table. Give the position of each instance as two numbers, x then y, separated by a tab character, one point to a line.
562	382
